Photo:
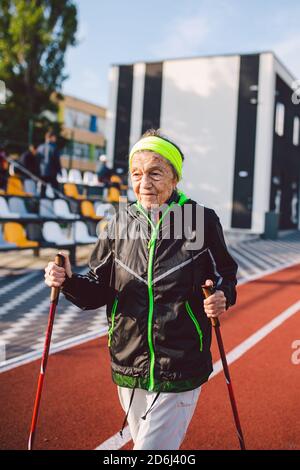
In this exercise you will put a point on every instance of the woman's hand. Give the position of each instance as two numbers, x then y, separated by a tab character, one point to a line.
215	304
55	275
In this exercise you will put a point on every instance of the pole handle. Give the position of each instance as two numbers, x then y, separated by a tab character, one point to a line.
207	291
60	261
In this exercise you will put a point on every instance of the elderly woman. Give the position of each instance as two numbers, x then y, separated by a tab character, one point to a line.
159	333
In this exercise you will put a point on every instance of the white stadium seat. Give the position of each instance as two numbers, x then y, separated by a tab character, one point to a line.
52	233
90	178
75	176
30	186
17	205
61	209
81	233
5	212
49	191
63	177
46	209
103	209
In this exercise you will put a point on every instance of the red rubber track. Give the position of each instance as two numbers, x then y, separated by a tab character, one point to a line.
80	408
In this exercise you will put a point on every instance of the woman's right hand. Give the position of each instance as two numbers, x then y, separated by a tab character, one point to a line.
55	275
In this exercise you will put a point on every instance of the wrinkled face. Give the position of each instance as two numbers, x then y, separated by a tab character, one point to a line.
152	178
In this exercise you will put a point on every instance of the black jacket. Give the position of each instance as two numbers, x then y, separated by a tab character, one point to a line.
159	335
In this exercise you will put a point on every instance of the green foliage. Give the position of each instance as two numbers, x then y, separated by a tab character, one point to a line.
34	36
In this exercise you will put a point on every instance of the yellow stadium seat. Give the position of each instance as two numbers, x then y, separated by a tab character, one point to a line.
87	210
15	233
114	192
72	191
15	187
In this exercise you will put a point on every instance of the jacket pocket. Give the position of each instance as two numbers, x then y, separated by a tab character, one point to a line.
196	323
113	315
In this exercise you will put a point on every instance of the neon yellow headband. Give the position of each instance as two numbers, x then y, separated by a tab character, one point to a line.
161	146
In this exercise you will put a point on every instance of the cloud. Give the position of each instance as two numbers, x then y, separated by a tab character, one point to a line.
184	37
195	33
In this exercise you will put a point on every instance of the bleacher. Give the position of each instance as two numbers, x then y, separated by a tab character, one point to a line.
61	219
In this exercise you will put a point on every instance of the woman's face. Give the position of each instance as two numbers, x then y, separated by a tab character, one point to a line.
152	178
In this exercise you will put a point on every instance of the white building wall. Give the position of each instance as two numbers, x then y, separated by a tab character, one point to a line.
139	70
111	112
264	142
199	111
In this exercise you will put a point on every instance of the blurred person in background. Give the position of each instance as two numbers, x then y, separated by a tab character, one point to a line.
103	172
31	161
50	165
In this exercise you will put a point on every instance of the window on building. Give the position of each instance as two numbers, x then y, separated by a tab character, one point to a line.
296	130
101	125
279	119
77	119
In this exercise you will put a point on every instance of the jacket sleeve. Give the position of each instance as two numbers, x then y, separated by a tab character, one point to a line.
91	290
225	266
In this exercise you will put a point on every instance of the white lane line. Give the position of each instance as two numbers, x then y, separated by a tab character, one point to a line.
116	442
62	320
266	258
5	309
260	334
244	261
28	317
12	285
55	348
256	260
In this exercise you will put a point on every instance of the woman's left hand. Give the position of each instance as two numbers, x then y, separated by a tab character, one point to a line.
215	304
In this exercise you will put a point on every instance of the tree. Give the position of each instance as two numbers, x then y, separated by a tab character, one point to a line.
34	36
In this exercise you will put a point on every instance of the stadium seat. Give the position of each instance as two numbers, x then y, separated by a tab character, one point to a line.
88	210
4	244
81	233
46	209
62	209
50	192
114	191
15	233
63	176
15	187
103	209
52	233
17	205
71	190
90	178
75	176
30	186
5	212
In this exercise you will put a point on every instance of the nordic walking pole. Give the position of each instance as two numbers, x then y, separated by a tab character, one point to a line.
59	260
207	291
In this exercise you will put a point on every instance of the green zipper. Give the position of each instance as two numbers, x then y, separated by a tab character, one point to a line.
113	314
151	248
196	323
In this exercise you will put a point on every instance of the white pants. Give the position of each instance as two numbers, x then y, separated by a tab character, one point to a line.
166	424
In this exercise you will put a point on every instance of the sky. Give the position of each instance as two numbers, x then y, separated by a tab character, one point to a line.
127	31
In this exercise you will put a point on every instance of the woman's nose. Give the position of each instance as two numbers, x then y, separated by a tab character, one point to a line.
146	182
